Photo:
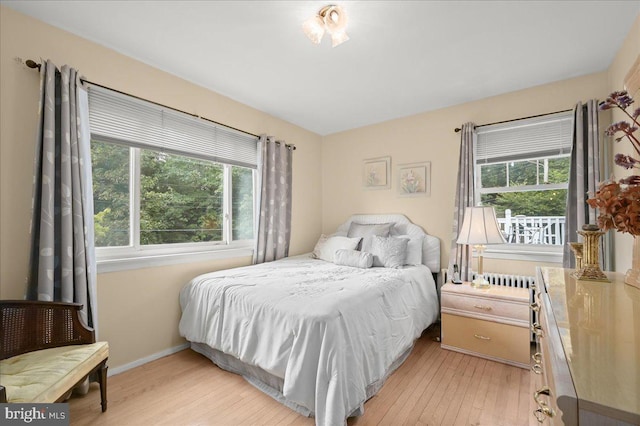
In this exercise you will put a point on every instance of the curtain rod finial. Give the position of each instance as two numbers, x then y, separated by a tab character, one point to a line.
457	130
32	64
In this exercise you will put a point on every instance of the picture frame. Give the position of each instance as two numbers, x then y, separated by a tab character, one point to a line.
376	173
414	179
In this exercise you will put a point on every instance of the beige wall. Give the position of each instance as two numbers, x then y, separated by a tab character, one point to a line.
430	137
138	310
625	58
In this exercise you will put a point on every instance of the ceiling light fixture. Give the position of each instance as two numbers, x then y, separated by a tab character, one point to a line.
331	19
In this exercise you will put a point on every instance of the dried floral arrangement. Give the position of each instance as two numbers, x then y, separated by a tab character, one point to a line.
618	203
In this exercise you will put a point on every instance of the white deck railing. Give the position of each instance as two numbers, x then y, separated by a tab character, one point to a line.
522	229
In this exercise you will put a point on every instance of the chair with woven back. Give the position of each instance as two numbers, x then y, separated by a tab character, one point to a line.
46	351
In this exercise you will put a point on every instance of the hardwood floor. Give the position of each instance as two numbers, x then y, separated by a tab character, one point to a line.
433	387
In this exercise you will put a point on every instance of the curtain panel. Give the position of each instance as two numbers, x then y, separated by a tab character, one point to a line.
62	263
465	197
584	174
274	205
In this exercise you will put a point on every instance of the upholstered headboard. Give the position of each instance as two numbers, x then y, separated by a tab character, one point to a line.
401	226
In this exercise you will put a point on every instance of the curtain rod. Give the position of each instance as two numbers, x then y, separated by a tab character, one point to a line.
458	129
33	64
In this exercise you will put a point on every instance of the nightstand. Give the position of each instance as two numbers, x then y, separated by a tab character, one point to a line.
490	323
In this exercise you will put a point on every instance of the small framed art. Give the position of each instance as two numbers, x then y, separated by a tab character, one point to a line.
414	179
376	173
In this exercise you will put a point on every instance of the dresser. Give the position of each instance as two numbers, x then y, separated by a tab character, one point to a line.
586	369
490	323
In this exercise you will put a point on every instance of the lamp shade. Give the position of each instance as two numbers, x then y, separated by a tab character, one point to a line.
314	29
480	226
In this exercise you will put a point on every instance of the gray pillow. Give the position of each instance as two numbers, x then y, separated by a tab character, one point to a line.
366	231
390	252
355	258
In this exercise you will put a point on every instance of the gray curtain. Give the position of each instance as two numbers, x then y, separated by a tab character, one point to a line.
274	205
584	174
62	264
465	197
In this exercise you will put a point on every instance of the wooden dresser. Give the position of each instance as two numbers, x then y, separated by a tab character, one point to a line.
491	323
587	365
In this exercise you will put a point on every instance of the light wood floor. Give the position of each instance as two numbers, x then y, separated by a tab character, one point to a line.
433	387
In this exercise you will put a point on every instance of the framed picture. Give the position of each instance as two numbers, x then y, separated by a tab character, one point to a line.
376	173
414	179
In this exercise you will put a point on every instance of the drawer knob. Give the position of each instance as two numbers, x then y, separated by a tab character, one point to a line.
537	329
543	410
542	413
484	308
481	337
535	307
536	368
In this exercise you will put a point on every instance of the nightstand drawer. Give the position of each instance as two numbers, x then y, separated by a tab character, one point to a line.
486	308
500	342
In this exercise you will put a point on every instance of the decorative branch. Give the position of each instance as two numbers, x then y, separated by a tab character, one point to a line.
618	203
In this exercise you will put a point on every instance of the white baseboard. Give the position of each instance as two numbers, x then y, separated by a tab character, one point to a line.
141	361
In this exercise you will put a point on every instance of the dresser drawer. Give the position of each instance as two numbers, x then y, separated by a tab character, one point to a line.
500	342
556	389
492	309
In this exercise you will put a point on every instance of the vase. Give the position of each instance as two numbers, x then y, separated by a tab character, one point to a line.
633	275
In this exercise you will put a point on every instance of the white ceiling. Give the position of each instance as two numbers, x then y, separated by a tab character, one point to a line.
404	57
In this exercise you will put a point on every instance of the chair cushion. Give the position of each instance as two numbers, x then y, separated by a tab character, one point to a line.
46	375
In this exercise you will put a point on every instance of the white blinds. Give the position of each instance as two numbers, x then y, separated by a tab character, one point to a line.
528	138
127	120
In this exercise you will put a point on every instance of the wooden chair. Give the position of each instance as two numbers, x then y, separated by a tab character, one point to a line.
30	326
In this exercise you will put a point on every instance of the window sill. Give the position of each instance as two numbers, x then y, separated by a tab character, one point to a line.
129	259
530	253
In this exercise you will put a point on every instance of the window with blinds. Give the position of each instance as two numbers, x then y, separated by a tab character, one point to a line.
522	170
167	181
544	136
124	119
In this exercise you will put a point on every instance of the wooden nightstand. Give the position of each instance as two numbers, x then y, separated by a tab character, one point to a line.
491	323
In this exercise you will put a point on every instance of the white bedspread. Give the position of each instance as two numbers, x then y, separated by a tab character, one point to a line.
327	330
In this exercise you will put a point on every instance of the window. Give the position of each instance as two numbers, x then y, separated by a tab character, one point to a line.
522	170
166	183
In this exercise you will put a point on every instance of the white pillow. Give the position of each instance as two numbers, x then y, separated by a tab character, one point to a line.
390	252
326	247
354	258
414	250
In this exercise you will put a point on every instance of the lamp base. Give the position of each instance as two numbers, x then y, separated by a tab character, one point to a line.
480	282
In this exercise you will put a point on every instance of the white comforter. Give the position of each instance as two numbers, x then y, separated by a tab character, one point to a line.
327	330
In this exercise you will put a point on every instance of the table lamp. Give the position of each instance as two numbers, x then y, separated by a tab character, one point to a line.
479	228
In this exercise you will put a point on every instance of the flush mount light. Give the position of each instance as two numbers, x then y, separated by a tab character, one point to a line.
331	19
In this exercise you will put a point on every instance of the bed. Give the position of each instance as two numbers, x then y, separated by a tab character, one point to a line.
317	336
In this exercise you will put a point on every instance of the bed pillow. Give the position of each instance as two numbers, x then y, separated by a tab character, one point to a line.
366	231
326	247
354	258
414	250
390	252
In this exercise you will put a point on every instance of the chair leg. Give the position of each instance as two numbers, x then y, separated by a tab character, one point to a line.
102	380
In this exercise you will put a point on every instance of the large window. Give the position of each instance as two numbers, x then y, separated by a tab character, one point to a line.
522	170
167	182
